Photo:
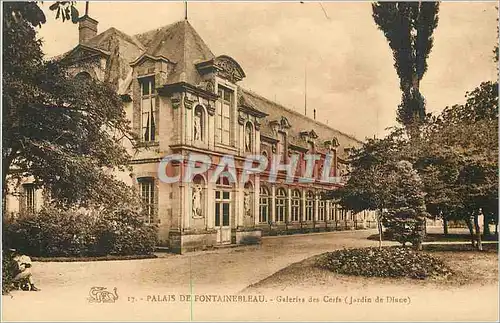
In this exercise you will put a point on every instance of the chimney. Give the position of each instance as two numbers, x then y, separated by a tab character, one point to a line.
87	28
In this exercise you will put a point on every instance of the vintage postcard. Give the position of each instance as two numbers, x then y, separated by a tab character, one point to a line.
250	161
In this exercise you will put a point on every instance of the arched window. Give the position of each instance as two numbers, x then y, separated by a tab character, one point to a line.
248	137
309	206
281	200
296	205
223	180
198	197
199	124
264	205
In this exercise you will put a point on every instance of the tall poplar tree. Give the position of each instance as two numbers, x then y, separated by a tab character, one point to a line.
409	27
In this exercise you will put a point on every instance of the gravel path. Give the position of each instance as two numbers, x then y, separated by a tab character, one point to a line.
146	287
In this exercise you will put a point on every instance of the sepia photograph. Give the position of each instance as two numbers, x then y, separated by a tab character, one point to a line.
250	161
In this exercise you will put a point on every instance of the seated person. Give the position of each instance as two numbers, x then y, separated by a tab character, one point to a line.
22	271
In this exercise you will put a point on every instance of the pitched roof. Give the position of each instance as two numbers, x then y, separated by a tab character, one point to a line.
102	40
298	123
181	44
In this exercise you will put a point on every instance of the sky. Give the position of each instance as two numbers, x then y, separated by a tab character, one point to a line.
351	81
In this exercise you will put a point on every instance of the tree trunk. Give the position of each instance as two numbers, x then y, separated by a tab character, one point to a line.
486	225
478	232
6	162
471	231
379	227
445	226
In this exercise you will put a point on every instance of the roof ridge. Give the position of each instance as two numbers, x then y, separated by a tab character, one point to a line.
113	31
299	114
195	33
184	50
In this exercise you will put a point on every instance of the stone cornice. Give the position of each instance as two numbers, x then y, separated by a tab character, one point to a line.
169	89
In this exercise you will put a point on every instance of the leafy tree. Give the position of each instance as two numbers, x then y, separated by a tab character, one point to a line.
66	132
460	167
408	27
380	180
407	213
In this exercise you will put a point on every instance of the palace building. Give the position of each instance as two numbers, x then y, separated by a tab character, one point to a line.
182	98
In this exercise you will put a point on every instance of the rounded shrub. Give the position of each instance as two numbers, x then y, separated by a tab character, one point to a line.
53	232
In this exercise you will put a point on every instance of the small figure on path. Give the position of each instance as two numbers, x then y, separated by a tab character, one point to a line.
23	278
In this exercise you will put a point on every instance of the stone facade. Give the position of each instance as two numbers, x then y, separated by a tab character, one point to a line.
183	99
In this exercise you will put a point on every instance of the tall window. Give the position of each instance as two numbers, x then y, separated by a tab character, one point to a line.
30	201
309	206
147	189
248	137
321	210
222	202
223	120
333	212
264	205
148	109
342	213
280	205
199	124
296	205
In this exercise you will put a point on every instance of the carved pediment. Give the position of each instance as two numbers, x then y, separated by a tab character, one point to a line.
83	52
146	57
285	124
223	66
334	143
308	134
280	125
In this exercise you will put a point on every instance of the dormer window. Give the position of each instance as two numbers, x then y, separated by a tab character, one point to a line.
310	147
223	116
148	109
281	144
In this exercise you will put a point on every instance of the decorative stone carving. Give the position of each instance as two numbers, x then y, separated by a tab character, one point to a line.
241	119
284	123
210	86
210	109
308	134
332	144
246	203
197	127
273	148
176	102
228	68
188	103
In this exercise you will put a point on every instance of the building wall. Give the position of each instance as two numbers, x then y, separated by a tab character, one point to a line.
182	226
